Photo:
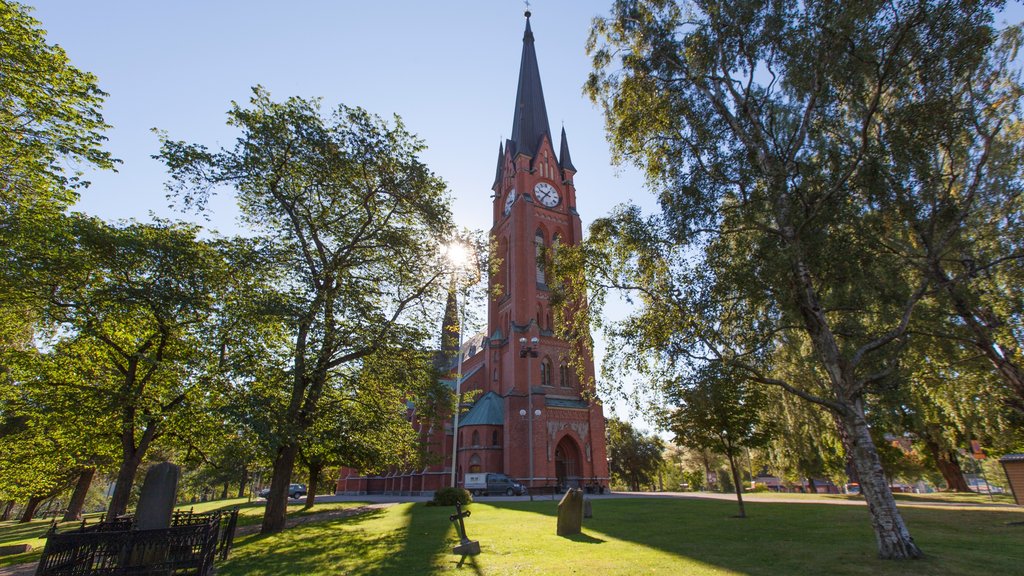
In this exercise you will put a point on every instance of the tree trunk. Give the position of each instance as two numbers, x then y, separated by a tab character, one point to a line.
243	481
123	486
224	492
707	470
8	508
30	508
314	476
276	515
811	486
891	533
844	439
947	463
737	484
74	511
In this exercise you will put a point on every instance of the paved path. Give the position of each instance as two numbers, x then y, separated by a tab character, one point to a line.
769	498
19	569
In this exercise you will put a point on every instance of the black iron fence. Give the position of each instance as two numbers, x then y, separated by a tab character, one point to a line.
115	548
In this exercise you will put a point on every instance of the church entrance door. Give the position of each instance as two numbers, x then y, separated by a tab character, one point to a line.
567	464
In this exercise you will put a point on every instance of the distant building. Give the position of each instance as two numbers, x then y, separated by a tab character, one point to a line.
525	401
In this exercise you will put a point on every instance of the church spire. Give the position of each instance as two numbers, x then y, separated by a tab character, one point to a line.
531	116
563	155
497	171
449	330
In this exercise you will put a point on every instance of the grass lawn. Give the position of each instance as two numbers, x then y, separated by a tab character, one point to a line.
250	513
639	536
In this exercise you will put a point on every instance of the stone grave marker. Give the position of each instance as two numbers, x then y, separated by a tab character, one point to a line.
156	504
156	501
570	513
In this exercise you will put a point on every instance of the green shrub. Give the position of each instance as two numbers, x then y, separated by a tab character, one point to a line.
449	496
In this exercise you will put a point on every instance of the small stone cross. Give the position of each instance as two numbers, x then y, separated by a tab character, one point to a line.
466	547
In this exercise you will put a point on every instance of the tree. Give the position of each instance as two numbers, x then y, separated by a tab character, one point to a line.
633	458
134	300
55	432
357	217
723	413
49	122
365	422
757	124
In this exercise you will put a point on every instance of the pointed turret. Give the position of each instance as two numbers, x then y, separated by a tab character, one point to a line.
449	331
564	160
501	161
530	122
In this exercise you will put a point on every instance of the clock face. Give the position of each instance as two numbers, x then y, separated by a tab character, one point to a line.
509	200
547	194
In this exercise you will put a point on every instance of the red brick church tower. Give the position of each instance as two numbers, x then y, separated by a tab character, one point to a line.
531	419
531	402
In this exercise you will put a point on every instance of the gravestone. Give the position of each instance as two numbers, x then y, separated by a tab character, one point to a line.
156	504
588	511
570	513
10	549
156	501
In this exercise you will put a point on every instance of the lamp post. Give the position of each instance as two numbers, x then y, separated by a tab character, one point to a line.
529	352
458	255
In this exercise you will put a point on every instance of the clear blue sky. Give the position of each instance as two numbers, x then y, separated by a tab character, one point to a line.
448	67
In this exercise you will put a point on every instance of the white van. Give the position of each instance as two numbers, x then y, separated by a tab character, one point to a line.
485	483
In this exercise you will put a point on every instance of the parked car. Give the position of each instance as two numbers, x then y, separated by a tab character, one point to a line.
485	483
294	491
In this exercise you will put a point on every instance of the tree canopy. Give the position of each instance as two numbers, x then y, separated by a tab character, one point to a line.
357	220
799	202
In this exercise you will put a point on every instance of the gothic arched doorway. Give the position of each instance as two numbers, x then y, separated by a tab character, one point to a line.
567	463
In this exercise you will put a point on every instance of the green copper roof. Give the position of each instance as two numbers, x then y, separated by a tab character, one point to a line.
489	410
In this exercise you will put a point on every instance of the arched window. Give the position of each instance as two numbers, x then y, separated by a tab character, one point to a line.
494	438
563	375
545	372
476	437
474	463
538	241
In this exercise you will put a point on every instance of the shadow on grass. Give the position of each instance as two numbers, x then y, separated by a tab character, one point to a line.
777	538
378	542
584	539
641	535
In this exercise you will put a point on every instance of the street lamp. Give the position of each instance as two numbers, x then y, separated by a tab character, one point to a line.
458	255
529	352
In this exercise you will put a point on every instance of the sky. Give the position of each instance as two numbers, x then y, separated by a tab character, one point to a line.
448	68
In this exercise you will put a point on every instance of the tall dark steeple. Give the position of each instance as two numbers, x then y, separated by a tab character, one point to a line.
531	116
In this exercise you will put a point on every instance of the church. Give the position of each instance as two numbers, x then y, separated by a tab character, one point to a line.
531	418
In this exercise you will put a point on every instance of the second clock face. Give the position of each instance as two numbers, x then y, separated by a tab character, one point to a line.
509	200
546	194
